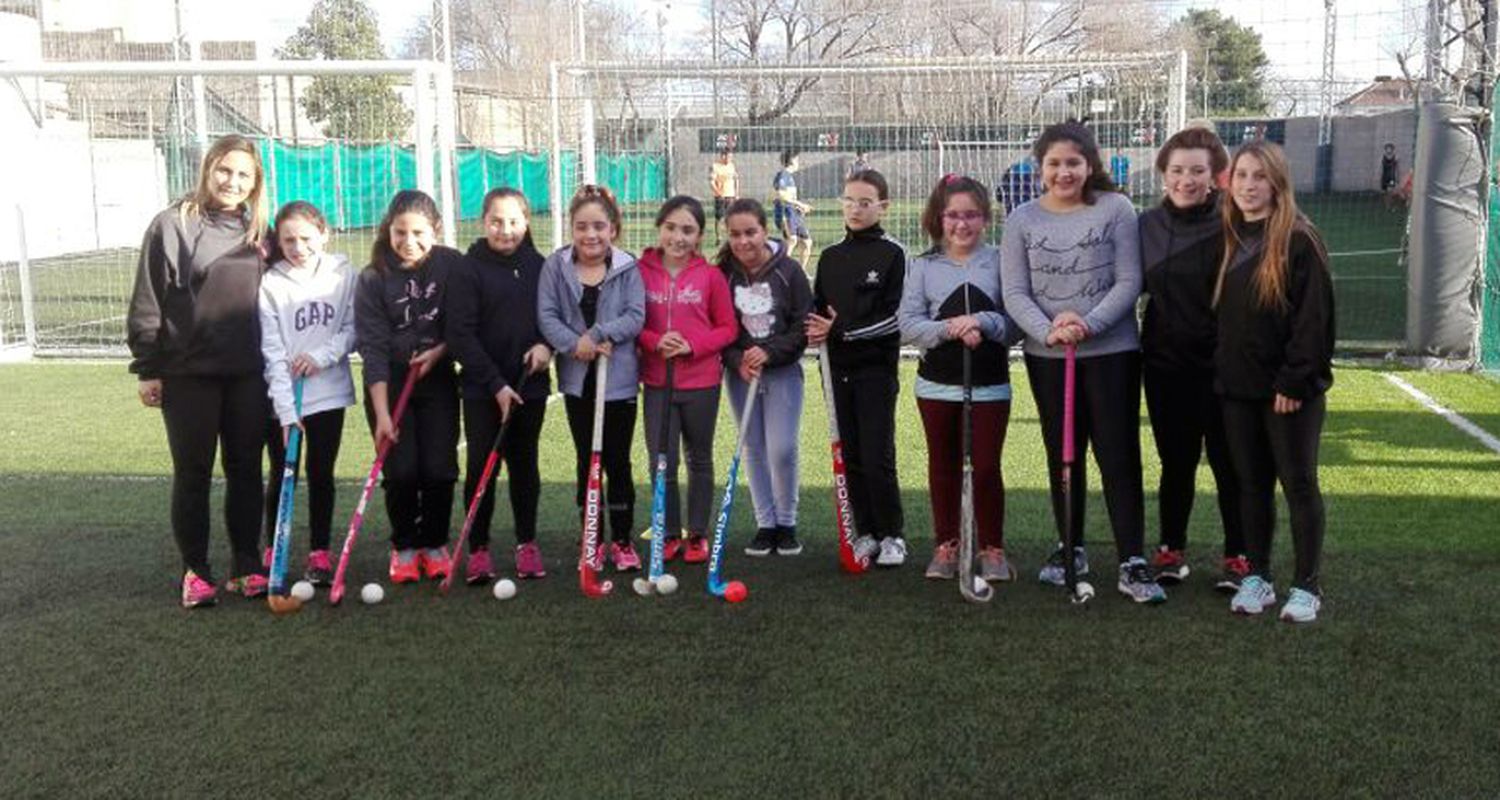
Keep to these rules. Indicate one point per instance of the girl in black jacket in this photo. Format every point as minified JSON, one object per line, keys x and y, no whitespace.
{"x":194,"y":334}
{"x":1274,"y":366}
{"x":1182,"y":242}
{"x":493,"y":333}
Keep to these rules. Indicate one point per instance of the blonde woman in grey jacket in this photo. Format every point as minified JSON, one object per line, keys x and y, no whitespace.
{"x":307,"y":333}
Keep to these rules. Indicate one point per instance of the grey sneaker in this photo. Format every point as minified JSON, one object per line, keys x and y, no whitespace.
{"x":892,"y":552}
{"x":1301,"y":606}
{"x":763,"y":543}
{"x":1138,"y":584}
{"x":944,"y":563}
{"x":1254,"y":595}
{"x":1052,"y":571}
{"x":994,"y":567}
{"x":865,"y":548}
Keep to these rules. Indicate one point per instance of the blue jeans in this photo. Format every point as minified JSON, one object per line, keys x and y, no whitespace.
{"x":771,"y":441}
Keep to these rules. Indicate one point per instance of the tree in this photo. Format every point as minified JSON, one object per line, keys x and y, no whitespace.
{"x":360,"y":107}
{"x":1226,"y":64}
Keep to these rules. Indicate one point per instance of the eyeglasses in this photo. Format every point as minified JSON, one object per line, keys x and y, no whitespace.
{"x":963,"y":216}
{"x":863,"y":203}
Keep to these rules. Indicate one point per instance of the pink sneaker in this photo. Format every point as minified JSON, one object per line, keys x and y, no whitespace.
{"x":251,"y":586}
{"x":623,"y":554}
{"x":435,"y":562}
{"x":529,"y":561}
{"x":672,"y":547}
{"x":405,"y":566}
{"x":265,"y":557}
{"x":319,"y":568}
{"x":197,"y":592}
{"x":479,"y":570}
{"x":696,"y":551}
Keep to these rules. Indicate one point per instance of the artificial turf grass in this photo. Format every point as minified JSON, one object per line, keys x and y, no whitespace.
{"x":885,"y":685}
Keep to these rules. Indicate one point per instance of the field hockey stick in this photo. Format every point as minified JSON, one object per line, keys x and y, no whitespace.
{"x":1078,"y":591}
{"x":589,"y":559}
{"x":975,"y":591}
{"x":336,"y":594}
{"x":490,"y":463}
{"x":843,"y":512}
{"x":716,"y":585}
{"x":277,"y":596}
{"x":648,"y":585}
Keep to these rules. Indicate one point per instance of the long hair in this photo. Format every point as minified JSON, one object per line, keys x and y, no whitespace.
{"x":1270,"y":278}
{"x":744,"y":205}
{"x":520,"y":197}
{"x":254,"y":207}
{"x":1079,"y":135}
{"x":943,"y":191}
{"x":406,"y":201}
{"x":297,"y":208}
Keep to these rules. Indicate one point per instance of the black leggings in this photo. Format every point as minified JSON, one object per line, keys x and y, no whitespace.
{"x":1187,"y":418}
{"x":1267,"y":447}
{"x":422,"y":467}
{"x":201,"y":413}
{"x":1107,"y":414}
{"x":619,"y":429}
{"x":519,"y":457}
{"x":320,"y":449}
{"x":866,"y":407}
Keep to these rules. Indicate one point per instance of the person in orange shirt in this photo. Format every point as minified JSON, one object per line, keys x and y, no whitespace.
{"x":724,"y":181}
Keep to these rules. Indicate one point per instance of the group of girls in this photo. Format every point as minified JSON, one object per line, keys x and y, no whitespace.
{"x":1234,"y":351}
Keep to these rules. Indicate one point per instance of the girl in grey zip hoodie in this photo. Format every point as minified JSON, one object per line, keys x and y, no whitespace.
{"x":585,"y":311}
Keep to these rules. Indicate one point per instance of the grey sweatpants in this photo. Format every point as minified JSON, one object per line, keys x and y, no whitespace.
{"x":694,"y":413}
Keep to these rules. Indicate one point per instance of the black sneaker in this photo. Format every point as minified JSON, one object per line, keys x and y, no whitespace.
{"x":763,"y":543}
{"x":786,"y":541}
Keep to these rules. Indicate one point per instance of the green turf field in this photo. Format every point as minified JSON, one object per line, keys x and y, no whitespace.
{"x":81,"y":299}
{"x":820,"y":685}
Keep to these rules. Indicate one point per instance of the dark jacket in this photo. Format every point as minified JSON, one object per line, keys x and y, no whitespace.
{"x":1180,"y":254}
{"x":491,"y":305}
{"x":195,"y":307}
{"x":1263,"y":352}
{"x":399,"y":313}
{"x":771,"y":308}
{"x":861,"y":278}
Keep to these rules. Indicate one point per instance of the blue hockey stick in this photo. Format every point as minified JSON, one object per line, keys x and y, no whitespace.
{"x":716,"y":584}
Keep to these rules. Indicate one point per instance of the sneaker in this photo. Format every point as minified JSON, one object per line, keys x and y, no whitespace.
{"x":404,"y":566}
{"x":265,"y":557}
{"x":696,"y":550}
{"x":1138,"y":584}
{"x":786,"y":541}
{"x":1301,"y":606}
{"x":944,"y":563}
{"x":1235,"y":570}
{"x":1052,"y":571}
{"x":672,"y":547}
{"x":479,"y":569}
{"x":994,"y":567}
{"x":251,"y":586}
{"x":1254,"y":594}
{"x":529,"y":561}
{"x":1170,"y":565}
{"x":435,"y":562}
{"x":763,"y":543}
{"x":624,"y":557}
{"x":197,"y":592}
{"x":319,"y":570}
{"x":892,"y":552}
{"x":865,"y":548}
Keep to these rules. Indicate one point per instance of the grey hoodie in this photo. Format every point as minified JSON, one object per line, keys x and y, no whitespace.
{"x":621,"y":313}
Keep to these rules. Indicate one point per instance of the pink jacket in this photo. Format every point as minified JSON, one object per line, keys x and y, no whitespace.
{"x":700,"y":309}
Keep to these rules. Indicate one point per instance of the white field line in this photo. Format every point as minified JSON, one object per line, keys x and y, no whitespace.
{"x":1454,"y":418}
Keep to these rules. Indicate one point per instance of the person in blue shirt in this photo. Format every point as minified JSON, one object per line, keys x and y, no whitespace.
{"x":1018,"y":185}
{"x":791,"y":212}
{"x":1119,"y":170}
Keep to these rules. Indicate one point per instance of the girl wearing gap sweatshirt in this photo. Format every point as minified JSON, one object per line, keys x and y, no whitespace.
{"x":590,"y":303}
{"x":195,"y":346}
{"x":689,"y":321}
{"x":306,"y":333}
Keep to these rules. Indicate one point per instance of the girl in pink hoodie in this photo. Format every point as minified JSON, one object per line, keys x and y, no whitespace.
{"x":689,"y":322}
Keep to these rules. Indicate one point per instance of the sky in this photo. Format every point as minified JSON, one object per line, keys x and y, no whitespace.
{"x":1369,"y":31}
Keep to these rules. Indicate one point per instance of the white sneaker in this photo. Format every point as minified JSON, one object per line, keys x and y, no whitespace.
{"x":892,"y":552}
{"x":865,"y":548}
{"x":1253,"y":597}
{"x":1301,"y":606}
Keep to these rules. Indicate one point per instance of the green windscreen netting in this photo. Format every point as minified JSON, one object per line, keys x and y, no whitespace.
{"x":1489,"y":322}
